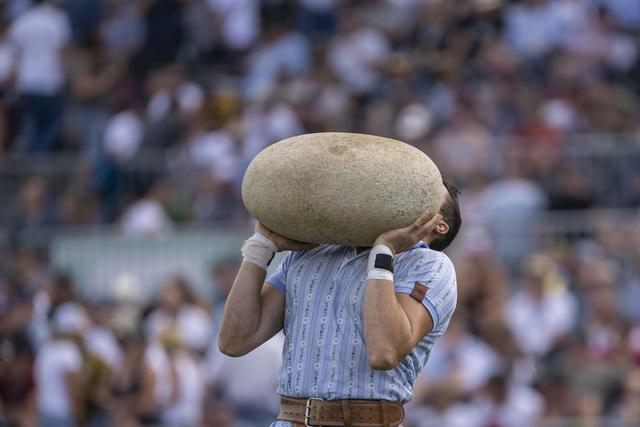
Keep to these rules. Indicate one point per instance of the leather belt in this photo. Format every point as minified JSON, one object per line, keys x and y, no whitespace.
{"x":347,"y":413}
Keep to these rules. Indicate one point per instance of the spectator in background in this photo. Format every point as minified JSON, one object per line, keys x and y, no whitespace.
{"x":178,"y":307}
{"x":122,"y":30}
{"x":318,"y":18}
{"x":128,"y":406}
{"x":506,"y":404}
{"x":40,"y":37}
{"x":94,"y":76}
{"x":358,"y":54}
{"x":238,"y":21}
{"x":266,"y":122}
{"x":123,"y":135}
{"x":545,"y":299}
{"x":35,"y":211}
{"x":461,"y":362}
{"x":625,"y":12}
{"x":486,"y":281}
{"x":100,"y":340}
{"x":59,"y":290}
{"x":17,"y":388}
{"x":147,"y":216}
{"x":223,"y":274}
{"x":213,"y":155}
{"x":509,"y":206}
{"x":629,"y":410}
{"x":284,"y":53}
{"x":441,"y":406}
{"x":16,"y":354}
{"x":7,"y":106}
{"x":164,"y":34}
{"x":173,"y":385}
{"x":104,"y":358}
{"x":85,"y":17}
{"x":531,"y":28}
{"x":59,"y":366}
{"x":254,"y":402}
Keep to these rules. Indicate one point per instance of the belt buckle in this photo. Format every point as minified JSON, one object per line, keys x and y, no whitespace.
{"x":307,"y":411}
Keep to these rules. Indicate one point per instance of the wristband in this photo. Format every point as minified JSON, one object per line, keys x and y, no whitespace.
{"x":259,"y":250}
{"x":380,"y":265}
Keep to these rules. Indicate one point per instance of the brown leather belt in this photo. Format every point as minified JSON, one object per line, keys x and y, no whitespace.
{"x":347,"y":413}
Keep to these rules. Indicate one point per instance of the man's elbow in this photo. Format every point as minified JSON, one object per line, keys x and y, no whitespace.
{"x":383,"y":360}
{"x":231,"y":349}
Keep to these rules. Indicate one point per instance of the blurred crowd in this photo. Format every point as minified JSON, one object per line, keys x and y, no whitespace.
{"x":69,"y":361}
{"x":556,"y":345}
{"x":149,"y":111}
{"x":159,"y":105}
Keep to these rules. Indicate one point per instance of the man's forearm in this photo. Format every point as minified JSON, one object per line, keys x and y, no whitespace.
{"x":388,"y":334}
{"x":242,"y":310}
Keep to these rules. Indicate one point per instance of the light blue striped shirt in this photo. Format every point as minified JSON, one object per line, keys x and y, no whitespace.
{"x":324,"y":352}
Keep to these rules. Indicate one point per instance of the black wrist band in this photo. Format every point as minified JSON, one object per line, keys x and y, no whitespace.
{"x":384,"y":262}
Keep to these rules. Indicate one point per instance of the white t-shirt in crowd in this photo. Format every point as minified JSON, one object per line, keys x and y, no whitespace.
{"x":157,"y":360}
{"x":194,"y":325}
{"x":469,"y":360}
{"x":146,"y":217}
{"x":55,"y":359}
{"x":554,"y":316}
{"x":241,"y":21}
{"x":217,"y":151}
{"x":39,"y":35}
{"x":123,"y":135}
{"x":355,"y":57}
{"x":262,"y":366}
{"x":103,"y":344}
{"x":187,"y":409}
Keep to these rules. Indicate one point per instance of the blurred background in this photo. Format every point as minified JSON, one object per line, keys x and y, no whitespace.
{"x":125,"y":129}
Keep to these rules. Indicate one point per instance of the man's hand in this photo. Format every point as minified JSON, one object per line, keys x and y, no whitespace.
{"x":282,"y":243}
{"x":403,"y":238}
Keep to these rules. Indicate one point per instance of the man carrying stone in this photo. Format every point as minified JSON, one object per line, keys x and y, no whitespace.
{"x":359,"y":323}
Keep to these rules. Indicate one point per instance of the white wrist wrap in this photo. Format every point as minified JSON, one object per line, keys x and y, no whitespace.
{"x":259,"y":250}
{"x":378,"y":273}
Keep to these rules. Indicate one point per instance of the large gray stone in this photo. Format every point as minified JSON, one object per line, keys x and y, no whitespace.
{"x":340,"y":188}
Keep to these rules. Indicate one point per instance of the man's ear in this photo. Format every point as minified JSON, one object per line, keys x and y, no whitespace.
{"x":442,"y":228}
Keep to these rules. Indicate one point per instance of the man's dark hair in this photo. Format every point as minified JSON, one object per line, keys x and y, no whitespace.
{"x":450,"y":212}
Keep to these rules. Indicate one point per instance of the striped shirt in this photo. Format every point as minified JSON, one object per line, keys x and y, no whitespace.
{"x":324,"y":353}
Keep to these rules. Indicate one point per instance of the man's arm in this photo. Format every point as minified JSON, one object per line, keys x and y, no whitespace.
{"x":254,"y":313}
{"x":73,"y":382}
{"x":395,"y":323}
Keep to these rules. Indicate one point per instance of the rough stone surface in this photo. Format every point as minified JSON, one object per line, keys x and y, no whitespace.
{"x":340,"y":188}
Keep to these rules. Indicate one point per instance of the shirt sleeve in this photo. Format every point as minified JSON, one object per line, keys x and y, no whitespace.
{"x":429,"y":277}
{"x":279,"y":277}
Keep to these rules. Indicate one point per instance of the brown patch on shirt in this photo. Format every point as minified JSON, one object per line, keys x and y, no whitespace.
{"x":419,"y":291}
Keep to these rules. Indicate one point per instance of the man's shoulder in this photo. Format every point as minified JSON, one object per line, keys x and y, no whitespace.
{"x":428,"y":263}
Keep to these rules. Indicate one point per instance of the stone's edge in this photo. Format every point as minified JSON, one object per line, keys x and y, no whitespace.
{"x":276,"y":225}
